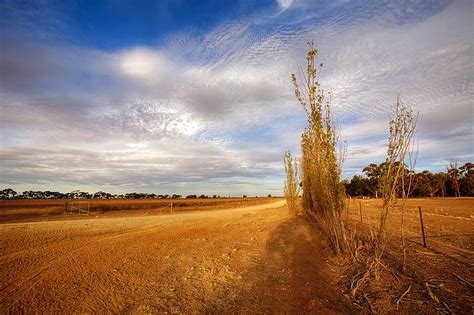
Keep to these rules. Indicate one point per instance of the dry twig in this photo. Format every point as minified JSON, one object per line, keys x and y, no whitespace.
{"x":431,"y":294}
{"x":405,"y":293}
{"x":463,"y":280}
{"x":368,"y":302}
{"x":447,"y":307}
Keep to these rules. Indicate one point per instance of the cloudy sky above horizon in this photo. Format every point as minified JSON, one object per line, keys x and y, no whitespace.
{"x":179,"y":96}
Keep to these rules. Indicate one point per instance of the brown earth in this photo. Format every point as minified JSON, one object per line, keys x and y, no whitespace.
{"x":248,"y":260}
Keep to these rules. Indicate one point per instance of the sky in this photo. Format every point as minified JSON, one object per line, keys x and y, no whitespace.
{"x":178,"y":96}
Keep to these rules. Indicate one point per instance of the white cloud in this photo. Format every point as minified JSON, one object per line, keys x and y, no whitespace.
{"x":284,"y":4}
{"x":143,"y":63}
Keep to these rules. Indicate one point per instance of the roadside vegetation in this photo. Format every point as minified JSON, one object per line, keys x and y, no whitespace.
{"x":363,"y":246}
{"x":323,"y":192}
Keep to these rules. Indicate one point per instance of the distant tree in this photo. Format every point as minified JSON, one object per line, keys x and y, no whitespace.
{"x":430,"y":184}
{"x":191,"y":197}
{"x":269,"y":196}
{"x":203,"y":197}
{"x":244,"y":196}
{"x":358,"y":186}
{"x":73,"y":194}
{"x":102,"y":195}
{"x":25,"y":195}
{"x":176,"y":196}
{"x":85,"y":195}
{"x":133,"y":195}
{"x":374,"y":173}
{"x":57,"y":195}
{"x":30,"y":194}
{"x":467,"y":179}
{"x":454,"y":175}
{"x":442,"y":178}
{"x":8,"y":193}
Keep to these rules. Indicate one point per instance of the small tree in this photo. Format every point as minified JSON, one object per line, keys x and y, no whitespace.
{"x":323,"y":191}
{"x":292,"y":188}
{"x":401,"y":131}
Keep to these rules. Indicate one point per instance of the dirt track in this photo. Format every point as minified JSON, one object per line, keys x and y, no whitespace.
{"x":254,"y":259}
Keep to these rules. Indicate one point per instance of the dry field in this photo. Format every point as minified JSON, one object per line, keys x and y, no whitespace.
{"x":234,"y":256}
{"x":21,"y":210}
{"x":446,"y":266}
{"x":249,"y":260}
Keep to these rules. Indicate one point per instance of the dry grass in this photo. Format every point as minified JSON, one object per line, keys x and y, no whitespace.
{"x":435,"y":271}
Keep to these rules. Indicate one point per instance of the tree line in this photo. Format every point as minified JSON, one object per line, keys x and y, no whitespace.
{"x":457,"y":181}
{"x":9,"y":193}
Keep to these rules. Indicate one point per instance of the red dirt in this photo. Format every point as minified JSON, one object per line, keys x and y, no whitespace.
{"x":251,"y":260}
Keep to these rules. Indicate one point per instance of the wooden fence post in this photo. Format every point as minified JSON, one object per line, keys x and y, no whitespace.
{"x":360,"y":210}
{"x":422,"y":227}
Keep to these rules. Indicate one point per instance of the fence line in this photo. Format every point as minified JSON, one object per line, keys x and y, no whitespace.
{"x":170,"y":205}
{"x":79,"y":207}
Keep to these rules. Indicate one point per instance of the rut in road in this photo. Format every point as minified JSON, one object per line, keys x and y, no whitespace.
{"x":254,"y":259}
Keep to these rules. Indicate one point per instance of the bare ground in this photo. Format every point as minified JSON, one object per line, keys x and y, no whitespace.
{"x":251,"y":260}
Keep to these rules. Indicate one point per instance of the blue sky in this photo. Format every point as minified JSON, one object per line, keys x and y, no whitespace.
{"x":195,"y":96}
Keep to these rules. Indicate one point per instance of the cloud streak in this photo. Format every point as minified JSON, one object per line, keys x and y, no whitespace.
{"x":218,"y":107}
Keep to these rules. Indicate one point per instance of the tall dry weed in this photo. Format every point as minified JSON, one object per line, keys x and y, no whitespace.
{"x":401,"y":133}
{"x":323,"y":192}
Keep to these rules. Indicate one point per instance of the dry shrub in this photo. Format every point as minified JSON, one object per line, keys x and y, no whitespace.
{"x":323,"y":193}
{"x":291,"y":189}
{"x":400,"y":145}
{"x":401,"y":131}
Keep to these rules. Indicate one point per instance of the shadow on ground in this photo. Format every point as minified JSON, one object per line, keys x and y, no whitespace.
{"x":294,"y":276}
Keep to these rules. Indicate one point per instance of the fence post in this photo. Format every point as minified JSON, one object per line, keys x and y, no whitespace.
{"x":422,"y":227}
{"x":171,"y":206}
{"x":360,"y":210}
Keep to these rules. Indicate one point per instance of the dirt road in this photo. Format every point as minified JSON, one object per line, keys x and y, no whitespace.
{"x":254,"y":259}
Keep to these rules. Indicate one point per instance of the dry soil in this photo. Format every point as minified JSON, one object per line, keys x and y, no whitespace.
{"x":249,"y":260}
